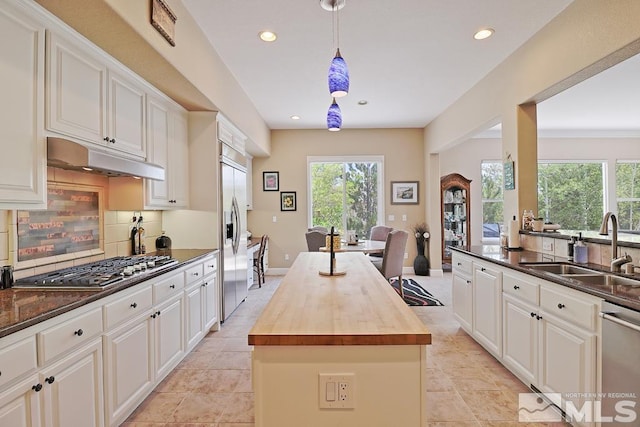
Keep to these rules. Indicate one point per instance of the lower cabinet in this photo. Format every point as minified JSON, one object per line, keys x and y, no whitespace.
{"x":20,"y":405}
{"x":72,"y":389}
{"x":543,"y":332}
{"x":487,"y":307}
{"x":128,"y":367}
{"x":66,"y":393}
{"x":93,"y":366}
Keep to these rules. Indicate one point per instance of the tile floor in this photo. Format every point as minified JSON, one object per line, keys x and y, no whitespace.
{"x":466,"y":387}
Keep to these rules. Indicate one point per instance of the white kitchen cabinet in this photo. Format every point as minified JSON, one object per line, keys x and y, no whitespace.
{"x":462,"y":291}
{"x":23,"y":181}
{"x":91,"y":102}
{"x":72,"y":388}
{"x":168,"y":147}
{"x":201,"y":300}
{"x":230,"y":134}
{"x":128,"y":361}
{"x":487,"y":307}
{"x":520,"y":338}
{"x":168,"y":326}
{"x":20,"y":404}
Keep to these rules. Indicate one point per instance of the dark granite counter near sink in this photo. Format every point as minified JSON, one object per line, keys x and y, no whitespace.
{"x":24,"y":307}
{"x":626,"y":296}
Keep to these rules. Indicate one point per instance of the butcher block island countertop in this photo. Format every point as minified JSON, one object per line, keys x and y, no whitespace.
{"x":318,"y":333}
{"x":359,"y":308}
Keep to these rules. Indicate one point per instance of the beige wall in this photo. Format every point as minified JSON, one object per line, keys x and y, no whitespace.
{"x":403,"y":160}
{"x":586,"y":38}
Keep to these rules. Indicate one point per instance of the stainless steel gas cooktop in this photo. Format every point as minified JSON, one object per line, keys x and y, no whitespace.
{"x":98,"y":274}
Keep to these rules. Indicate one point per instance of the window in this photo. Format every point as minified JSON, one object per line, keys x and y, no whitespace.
{"x":492,"y":199}
{"x":346,"y":192}
{"x":572,"y":194}
{"x":628,"y":195}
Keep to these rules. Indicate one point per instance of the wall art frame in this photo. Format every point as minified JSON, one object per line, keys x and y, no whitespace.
{"x":405,"y":192}
{"x":270,"y":181}
{"x":287,"y":201}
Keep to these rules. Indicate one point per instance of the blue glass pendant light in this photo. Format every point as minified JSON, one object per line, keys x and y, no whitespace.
{"x":334,"y":117}
{"x":338,"y":76}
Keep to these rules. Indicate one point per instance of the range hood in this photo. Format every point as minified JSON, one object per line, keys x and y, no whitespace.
{"x":65,"y":154}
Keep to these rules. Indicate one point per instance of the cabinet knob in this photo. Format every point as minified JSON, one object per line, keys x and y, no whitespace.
{"x":158,"y":312}
{"x":533,"y":314}
{"x":561,"y":306}
{"x":211,"y":266}
{"x":459,"y":263}
{"x":153,"y":316}
{"x":196,"y":274}
{"x":538,"y":317}
{"x":106,"y":138}
{"x":134,"y":305}
{"x":79,"y":332}
{"x":37,"y":387}
{"x":468,"y":282}
{"x":483,"y":269}
{"x":172,"y":286}
{"x":112,"y":140}
{"x":50,"y":380}
{"x":516,"y":287}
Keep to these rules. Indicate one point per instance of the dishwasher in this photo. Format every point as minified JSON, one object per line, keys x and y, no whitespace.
{"x":620,"y":366}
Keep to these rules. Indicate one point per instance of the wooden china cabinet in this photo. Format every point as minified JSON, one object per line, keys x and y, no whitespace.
{"x":455,"y":211}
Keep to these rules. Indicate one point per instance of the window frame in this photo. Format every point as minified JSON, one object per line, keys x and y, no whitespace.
{"x":347,"y":159}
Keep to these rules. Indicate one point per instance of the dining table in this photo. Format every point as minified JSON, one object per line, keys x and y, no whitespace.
{"x":365,"y":246}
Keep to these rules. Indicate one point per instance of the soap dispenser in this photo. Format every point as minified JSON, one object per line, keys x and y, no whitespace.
{"x":580,"y":251}
{"x":570,"y":247}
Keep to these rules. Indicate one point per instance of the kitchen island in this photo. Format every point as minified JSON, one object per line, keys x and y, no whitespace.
{"x":320,"y":336}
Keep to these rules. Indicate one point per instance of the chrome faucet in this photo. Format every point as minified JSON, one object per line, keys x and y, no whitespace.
{"x":616,"y":263}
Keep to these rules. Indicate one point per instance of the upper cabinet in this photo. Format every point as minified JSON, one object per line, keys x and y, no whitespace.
{"x":23,"y":181}
{"x":93,"y":102}
{"x":168,"y":147}
{"x":231,"y":135}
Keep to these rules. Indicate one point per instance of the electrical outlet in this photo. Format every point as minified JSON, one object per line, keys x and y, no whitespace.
{"x":406,"y":255}
{"x":336,"y":391}
{"x":404,"y":217}
{"x":286,"y":257}
{"x":275,"y":219}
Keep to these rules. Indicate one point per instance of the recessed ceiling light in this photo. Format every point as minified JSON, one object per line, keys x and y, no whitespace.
{"x":363,"y":102}
{"x":295,"y":117}
{"x":267,"y":36}
{"x":483,"y":33}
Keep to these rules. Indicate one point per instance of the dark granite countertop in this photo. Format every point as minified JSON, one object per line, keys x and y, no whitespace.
{"x":626,"y":296}
{"x":24,"y":307}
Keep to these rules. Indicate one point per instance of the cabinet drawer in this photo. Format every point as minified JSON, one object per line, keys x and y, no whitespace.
{"x":210,"y":266}
{"x":67,"y":335}
{"x":461,"y":263}
{"x":577,"y":310}
{"x":194,"y":273}
{"x":127,"y":306}
{"x":520,"y":288}
{"x":168,"y":287}
{"x":17,"y":359}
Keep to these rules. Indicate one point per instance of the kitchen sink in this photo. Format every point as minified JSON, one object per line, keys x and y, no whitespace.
{"x":605,"y":280}
{"x":558,"y":268}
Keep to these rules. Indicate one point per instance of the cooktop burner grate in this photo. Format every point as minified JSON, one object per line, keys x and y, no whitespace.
{"x":98,"y":274}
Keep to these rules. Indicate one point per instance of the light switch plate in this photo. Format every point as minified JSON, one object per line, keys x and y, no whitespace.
{"x":336,"y":391}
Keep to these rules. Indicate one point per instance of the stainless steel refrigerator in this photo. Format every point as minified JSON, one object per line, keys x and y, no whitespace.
{"x":235,"y":265}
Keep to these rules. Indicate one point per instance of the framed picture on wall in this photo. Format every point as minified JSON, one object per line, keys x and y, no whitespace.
{"x":287,"y":200}
{"x":404,"y":192}
{"x":270,"y":181}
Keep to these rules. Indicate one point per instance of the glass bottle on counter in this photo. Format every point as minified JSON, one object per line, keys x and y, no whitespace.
{"x":527,"y":219}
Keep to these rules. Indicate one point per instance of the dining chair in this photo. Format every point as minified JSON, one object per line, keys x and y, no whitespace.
{"x":315,"y":240}
{"x":380,"y":233}
{"x":319,"y":228}
{"x":391,"y":264}
{"x":258,"y":259}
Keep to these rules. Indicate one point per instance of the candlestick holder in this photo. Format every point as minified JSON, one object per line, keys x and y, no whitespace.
{"x":331,"y":239}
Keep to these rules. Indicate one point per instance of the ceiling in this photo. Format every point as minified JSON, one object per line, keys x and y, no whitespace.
{"x":409,"y":59}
